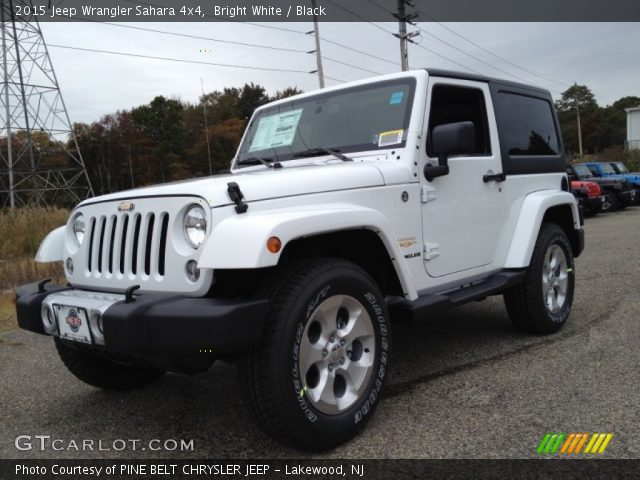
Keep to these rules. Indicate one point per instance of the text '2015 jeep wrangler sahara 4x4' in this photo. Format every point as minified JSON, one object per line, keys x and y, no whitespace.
{"x":398,"y":196}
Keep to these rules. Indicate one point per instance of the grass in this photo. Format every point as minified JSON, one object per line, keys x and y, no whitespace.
{"x":21,"y":232}
{"x":7,"y":312}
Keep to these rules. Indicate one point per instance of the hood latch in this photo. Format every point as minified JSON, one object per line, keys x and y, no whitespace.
{"x":236,"y":196}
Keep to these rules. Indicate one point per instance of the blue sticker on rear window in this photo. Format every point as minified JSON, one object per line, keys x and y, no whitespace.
{"x":396,"y":98}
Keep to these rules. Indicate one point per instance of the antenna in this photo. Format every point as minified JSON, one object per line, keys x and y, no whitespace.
{"x":41,"y":162}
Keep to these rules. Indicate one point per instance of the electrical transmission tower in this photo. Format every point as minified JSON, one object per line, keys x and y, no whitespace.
{"x":41,"y":162}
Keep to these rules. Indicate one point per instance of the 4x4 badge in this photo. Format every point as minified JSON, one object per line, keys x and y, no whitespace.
{"x":125,"y":207}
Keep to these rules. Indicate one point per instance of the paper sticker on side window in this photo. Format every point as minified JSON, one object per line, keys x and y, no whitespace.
{"x":277,"y":130}
{"x":392,"y":137}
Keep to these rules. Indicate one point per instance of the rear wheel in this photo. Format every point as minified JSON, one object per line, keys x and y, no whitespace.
{"x":101,"y":372}
{"x":542,"y":302}
{"x":316,"y":377}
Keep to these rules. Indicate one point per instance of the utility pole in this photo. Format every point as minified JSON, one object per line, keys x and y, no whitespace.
{"x":316,"y":34}
{"x":579,"y":129}
{"x":206,"y":127}
{"x":402,"y":34}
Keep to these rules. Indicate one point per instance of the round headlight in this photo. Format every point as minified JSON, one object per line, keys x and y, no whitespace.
{"x":79,"y":228}
{"x":195,"y":226}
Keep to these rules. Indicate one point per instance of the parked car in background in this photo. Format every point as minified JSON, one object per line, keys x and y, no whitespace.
{"x":621,"y":169}
{"x":605,"y":169}
{"x":590,"y":196}
{"x":619,"y":192}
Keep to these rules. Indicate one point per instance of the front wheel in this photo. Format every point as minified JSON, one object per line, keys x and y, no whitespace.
{"x":542,"y":302}
{"x":316,"y":377}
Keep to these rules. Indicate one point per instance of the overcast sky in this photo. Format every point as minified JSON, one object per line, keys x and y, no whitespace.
{"x":604,"y":56}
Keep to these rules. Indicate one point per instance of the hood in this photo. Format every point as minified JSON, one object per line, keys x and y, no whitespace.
{"x":592,"y":188}
{"x":263,"y":183}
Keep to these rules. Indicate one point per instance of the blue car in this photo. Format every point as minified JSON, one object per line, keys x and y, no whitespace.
{"x":605,"y":169}
{"x":621,"y":169}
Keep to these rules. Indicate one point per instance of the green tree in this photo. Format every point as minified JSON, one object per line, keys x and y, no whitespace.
{"x":161,"y":120}
{"x":577,"y":96}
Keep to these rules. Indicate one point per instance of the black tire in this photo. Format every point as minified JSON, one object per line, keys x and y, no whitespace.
{"x":101,"y":372}
{"x":525,"y":303}
{"x":272,"y":374}
{"x":614,"y":203}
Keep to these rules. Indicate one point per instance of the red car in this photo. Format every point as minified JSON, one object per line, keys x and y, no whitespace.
{"x":590,"y":195}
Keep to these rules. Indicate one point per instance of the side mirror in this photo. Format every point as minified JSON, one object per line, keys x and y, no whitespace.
{"x":450,"y":139}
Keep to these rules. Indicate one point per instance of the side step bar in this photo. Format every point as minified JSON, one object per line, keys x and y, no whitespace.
{"x":433,"y":304}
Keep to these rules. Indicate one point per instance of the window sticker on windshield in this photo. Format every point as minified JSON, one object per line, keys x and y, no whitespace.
{"x":396,"y":98}
{"x":276,"y":130}
{"x":392,"y":137}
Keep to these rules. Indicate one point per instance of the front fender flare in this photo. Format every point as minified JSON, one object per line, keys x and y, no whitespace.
{"x":532,"y":211}
{"x":52,"y":247}
{"x":239,"y":242}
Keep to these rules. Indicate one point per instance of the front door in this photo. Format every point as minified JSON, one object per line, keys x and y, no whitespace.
{"x":462,"y":214}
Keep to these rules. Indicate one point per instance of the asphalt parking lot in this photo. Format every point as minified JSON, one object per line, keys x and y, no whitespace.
{"x":463,"y":385}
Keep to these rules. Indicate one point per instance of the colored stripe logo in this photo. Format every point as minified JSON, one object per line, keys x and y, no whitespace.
{"x":574,"y":443}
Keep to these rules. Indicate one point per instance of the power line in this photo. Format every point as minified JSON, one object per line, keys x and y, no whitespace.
{"x":198,"y":37}
{"x":326,"y":40}
{"x":324,"y":57}
{"x":186,"y":35}
{"x":170,"y":59}
{"x":417,"y":44}
{"x":492,"y":53}
{"x":450,"y":45}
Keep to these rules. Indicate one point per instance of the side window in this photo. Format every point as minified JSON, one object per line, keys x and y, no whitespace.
{"x":527,"y":124}
{"x":451,"y":104}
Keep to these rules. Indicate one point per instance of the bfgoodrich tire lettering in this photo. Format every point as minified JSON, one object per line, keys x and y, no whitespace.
{"x":541,"y":304}
{"x":281,"y":394}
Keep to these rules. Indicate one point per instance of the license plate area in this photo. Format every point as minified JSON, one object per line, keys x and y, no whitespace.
{"x":73,"y":323}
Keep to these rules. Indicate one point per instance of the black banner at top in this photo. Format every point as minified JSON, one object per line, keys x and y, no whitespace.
{"x":324,"y":10}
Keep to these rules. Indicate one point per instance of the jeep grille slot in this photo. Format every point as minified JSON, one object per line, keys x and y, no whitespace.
{"x":127,"y":244}
{"x":149,"y":244}
{"x":163,"y":242}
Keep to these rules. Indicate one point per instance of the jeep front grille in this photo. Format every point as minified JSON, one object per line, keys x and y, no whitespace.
{"x":127,"y":244}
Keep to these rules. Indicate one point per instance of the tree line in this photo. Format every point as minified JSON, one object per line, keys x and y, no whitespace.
{"x":166,"y":140}
{"x":604,"y":129}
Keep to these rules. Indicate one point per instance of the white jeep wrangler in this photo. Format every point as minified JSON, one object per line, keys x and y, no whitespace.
{"x":398,"y":196}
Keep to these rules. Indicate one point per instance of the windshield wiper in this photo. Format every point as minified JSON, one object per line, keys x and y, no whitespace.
{"x":314,"y":152}
{"x":267,"y":162}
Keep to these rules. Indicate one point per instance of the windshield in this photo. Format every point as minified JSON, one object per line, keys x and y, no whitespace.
{"x":366,"y":117}
{"x":606,"y":168}
{"x":582,"y":170}
{"x":621,"y":168}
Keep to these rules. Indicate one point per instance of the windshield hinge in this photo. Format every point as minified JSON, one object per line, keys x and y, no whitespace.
{"x":236,"y":196}
{"x":427,"y":194}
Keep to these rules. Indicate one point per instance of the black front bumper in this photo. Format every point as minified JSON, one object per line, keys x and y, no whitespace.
{"x":163,"y":324}
{"x":594,"y":204}
{"x":627,"y":197}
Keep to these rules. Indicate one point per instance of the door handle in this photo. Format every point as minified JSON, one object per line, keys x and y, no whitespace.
{"x":496,"y":177}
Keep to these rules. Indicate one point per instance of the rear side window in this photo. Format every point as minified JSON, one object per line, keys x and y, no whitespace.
{"x":530,"y":141}
{"x":528,"y":126}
